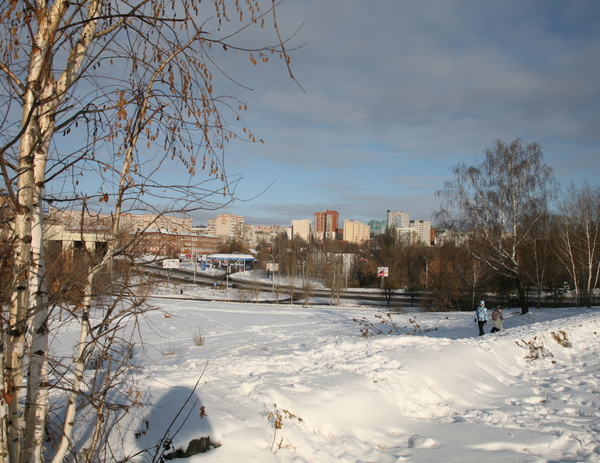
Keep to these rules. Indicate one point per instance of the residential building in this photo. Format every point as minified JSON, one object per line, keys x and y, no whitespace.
{"x":356,"y":232}
{"x":406,"y":236}
{"x":423,"y":230}
{"x":326,"y":225}
{"x":302,"y":228}
{"x":129,"y":222}
{"x":397,"y":219}
{"x":378,"y":226}
{"x":227,"y":226}
{"x":267,"y":232}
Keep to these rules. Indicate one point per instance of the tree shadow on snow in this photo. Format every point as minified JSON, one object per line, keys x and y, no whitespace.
{"x":175,"y":427}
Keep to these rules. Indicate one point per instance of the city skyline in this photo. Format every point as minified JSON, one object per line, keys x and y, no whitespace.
{"x":313,"y":219}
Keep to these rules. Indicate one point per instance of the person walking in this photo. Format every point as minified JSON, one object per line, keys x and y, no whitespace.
{"x":497,"y":318}
{"x":481,"y":316}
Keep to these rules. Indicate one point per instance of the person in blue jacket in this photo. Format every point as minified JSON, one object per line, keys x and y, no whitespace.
{"x":481,"y":316}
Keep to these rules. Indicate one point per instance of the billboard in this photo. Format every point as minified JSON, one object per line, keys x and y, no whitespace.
{"x":382,"y":272}
{"x":272,"y":266}
{"x":171,"y":263}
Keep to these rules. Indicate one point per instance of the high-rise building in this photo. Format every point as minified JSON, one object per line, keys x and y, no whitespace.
{"x":356,"y":232}
{"x":302,"y":228}
{"x":326,"y":225}
{"x":377,"y":226}
{"x":397,"y":219}
{"x":423,"y":230}
{"x":227,"y":226}
{"x":406,"y":236}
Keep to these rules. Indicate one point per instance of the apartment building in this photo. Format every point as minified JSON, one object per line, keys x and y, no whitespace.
{"x":397,"y":219}
{"x":326,"y":225}
{"x":302,"y":228}
{"x":146,"y":221}
{"x":226,"y":226}
{"x":378,"y":227}
{"x":423,"y":230}
{"x":267,"y":232}
{"x":406,"y":236}
{"x":356,"y":232}
{"x":129,"y":222}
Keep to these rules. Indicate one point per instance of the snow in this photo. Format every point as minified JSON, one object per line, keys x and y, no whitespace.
{"x":286,"y":383}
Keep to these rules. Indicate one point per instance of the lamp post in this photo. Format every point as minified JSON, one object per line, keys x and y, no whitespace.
{"x":426,"y":272}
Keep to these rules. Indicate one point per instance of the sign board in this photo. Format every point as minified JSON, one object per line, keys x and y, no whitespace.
{"x":171,"y":263}
{"x":382,"y":272}
{"x":272,"y":266}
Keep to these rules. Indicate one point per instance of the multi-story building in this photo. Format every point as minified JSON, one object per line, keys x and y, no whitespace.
{"x":267,"y":232}
{"x":377,"y":226}
{"x":356,"y":232}
{"x":227,"y":226}
{"x":151,"y":241}
{"x":326,"y":225}
{"x":166,"y":243}
{"x":423,"y":230}
{"x":406,"y":236}
{"x":302,"y":228}
{"x":129,"y":222}
{"x":397,"y":219}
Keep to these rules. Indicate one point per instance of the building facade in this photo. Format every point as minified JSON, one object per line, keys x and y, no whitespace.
{"x":406,"y":236}
{"x":227,"y":226}
{"x":356,"y":232}
{"x":378,"y":227}
{"x":397,"y":219}
{"x":326,"y":225}
{"x":423,"y":230}
{"x":131,"y":222}
{"x":302,"y":228}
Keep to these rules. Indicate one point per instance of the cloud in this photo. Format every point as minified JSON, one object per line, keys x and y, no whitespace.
{"x":396,"y":93}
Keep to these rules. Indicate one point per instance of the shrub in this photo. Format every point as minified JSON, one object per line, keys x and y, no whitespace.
{"x":198,"y":337}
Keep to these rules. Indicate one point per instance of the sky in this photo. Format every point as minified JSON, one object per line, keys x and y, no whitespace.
{"x":433,"y":391}
{"x":391,"y":95}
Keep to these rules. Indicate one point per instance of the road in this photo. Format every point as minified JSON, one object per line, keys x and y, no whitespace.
{"x":366,"y":297}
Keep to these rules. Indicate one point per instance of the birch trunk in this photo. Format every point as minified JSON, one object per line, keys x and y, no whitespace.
{"x":22,"y":266}
{"x":29,"y":296}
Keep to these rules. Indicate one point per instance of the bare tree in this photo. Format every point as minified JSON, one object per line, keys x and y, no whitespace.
{"x":456,"y":280}
{"x":536,"y":257}
{"x":579,"y":239}
{"x":308,"y":274}
{"x":110,"y":77}
{"x":498,"y":202}
{"x":334,"y":274}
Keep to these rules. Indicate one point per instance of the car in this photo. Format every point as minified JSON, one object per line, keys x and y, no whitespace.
{"x":236,"y":286}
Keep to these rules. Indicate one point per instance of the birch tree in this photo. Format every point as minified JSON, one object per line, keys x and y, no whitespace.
{"x":335,"y":276}
{"x":85,"y":85}
{"x":579,"y":239}
{"x":499,"y":202}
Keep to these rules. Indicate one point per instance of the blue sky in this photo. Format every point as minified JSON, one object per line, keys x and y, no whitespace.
{"x":397,"y":92}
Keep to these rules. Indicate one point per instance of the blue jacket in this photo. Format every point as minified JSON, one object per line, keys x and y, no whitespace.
{"x":481,"y":314}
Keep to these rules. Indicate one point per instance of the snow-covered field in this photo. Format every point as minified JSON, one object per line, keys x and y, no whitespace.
{"x":281,"y":383}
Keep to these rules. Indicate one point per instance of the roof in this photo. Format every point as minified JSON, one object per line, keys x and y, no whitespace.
{"x":244,"y":257}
